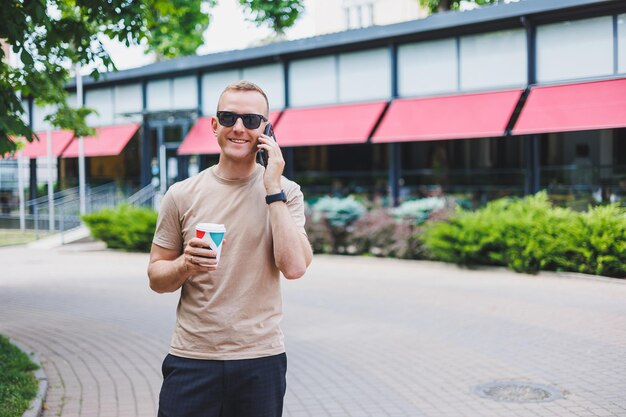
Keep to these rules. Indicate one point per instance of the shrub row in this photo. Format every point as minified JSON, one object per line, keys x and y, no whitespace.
{"x":126,"y":227}
{"x":530,"y":234}
{"x":344,"y":226}
{"x":526,"y":235}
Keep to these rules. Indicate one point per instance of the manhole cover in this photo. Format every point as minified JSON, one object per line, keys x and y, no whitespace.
{"x":518,"y":392}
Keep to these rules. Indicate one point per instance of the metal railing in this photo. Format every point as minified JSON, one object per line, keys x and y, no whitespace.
{"x":66,"y":208}
{"x":146,"y":197}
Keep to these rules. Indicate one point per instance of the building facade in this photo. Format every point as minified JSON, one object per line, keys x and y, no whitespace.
{"x":503,"y":100}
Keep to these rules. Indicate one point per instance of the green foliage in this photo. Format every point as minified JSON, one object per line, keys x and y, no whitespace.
{"x":126,"y":227}
{"x":599,"y":245}
{"x":339,"y":212}
{"x":418,"y":211}
{"x":442,"y":5}
{"x":176,"y":26}
{"x":50,"y":35}
{"x":277,"y":14}
{"x":528,"y":235}
{"x":18,"y":385}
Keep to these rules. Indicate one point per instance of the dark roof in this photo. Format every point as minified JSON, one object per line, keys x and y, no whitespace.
{"x":483,"y":19}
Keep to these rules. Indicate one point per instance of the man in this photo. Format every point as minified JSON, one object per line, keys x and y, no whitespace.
{"x":227,"y":356}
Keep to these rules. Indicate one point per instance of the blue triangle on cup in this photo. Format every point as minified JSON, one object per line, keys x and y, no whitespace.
{"x":217,"y":237}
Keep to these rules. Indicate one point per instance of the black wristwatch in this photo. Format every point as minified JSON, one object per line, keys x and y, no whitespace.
{"x":272,"y":198}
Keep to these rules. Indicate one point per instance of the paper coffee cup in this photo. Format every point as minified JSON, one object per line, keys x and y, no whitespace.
{"x":212,"y":233}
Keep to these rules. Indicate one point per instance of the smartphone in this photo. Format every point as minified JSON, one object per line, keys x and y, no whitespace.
{"x":262,"y":154}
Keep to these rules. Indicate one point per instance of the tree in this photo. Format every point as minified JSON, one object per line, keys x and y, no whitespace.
{"x":442,"y":5}
{"x":49,"y":36}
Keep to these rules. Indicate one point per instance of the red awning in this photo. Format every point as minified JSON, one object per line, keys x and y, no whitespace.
{"x":448,"y":117}
{"x":108,"y":141}
{"x":332,"y":125}
{"x":39,"y":148}
{"x":584,"y":106}
{"x":202,"y":141}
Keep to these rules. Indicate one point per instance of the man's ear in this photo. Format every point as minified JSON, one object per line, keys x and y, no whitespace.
{"x":214,"y":124}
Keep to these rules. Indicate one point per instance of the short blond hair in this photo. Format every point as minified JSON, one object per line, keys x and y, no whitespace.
{"x":244,"y":85}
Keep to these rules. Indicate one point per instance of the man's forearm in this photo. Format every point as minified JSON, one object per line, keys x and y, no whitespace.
{"x":166,"y":275}
{"x":291,"y":250}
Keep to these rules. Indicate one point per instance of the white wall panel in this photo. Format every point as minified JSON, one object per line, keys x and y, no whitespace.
{"x":25,"y":115}
{"x":271,"y":79}
{"x":159,"y":95}
{"x":185,"y":91}
{"x":621,"y":43}
{"x":492,"y":60}
{"x":313,"y":81}
{"x":101,"y":100}
{"x":212,"y":86}
{"x":365,"y":75}
{"x":39,"y":113}
{"x":575,"y":49}
{"x":127,"y":100}
{"x":427,"y":68}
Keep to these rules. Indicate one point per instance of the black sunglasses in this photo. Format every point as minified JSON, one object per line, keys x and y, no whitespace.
{"x":250,"y":121}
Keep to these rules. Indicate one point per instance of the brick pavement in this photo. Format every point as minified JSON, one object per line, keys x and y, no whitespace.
{"x":365,"y":337}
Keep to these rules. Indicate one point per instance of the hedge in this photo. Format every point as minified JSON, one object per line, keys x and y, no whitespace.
{"x":530,"y":234}
{"x":125,"y":227}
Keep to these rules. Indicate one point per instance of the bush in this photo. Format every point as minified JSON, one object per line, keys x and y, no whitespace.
{"x":373,"y":233}
{"x":528,"y":235}
{"x":337,"y":214}
{"x":418,"y":211}
{"x":599,"y":245}
{"x":378,"y":233}
{"x":319,"y":234}
{"x":126,"y":227}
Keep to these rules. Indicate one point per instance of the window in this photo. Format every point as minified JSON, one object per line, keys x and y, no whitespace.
{"x":359,"y":15}
{"x":621,"y":43}
{"x":428,"y":67}
{"x":494,"y":59}
{"x":575,"y":49}
{"x":313,"y":81}
{"x":360,"y":80}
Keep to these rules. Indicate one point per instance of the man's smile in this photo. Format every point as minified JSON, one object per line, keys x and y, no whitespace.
{"x":239,"y":141}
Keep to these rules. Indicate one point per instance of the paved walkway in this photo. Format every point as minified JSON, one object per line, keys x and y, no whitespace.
{"x":365,"y":337}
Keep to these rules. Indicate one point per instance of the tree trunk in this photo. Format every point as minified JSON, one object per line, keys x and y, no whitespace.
{"x":444,"y":5}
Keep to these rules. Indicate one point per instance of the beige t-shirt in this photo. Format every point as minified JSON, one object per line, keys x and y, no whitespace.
{"x":235,"y":311}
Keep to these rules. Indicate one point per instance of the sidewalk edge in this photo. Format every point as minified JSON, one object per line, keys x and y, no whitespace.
{"x":36,"y":406}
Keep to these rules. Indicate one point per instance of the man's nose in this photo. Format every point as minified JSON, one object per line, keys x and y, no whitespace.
{"x":238,"y":126}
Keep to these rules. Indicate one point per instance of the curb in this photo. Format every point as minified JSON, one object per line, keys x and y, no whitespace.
{"x":36,"y":406}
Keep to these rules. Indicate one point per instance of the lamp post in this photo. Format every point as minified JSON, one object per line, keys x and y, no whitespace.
{"x":20,"y":185}
{"x":81,"y":145}
{"x":50,"y":184}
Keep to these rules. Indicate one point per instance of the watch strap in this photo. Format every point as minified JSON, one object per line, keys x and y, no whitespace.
{"x":272,"y":198}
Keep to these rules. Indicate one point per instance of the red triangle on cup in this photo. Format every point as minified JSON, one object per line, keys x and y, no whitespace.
{"x":200,"y":234}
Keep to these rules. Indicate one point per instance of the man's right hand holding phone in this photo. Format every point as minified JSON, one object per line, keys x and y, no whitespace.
{"x":275,"y":164}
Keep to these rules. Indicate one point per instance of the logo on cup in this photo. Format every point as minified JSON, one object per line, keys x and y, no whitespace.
{"x":212,"y":233}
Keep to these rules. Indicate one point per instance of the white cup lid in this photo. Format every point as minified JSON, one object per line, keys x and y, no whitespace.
{"x":211,"y":227}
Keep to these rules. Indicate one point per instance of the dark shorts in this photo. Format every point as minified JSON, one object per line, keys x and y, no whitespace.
{"x":233,"y":388}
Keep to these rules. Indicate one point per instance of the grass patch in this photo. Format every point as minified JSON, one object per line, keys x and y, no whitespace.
{"x":10,"y":237}
{"x":18,"y":385}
